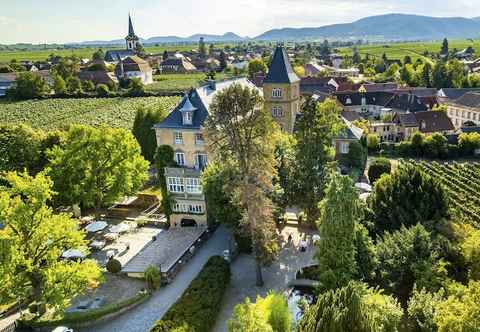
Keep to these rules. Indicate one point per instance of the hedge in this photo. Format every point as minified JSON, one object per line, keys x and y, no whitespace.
{"x":198,"y":307}
{"x":71,"y":318}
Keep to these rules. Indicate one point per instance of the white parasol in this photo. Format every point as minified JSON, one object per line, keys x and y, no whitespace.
{"x":73,"y":253}
{"x":96,"y":226}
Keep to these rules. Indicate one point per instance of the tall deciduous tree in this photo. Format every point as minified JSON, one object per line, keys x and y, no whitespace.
{"x":316,"y":128}
{"x":97,"y":166}
{"x":256,"y":66}
{"x":32,"y":242}
{"x":28,"y":85}
{"x":339,"y":211}
{"x":240,"y":133}
{"x":164,"y":157}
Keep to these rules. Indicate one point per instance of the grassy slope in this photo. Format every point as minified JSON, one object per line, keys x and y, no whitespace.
{"x":85,"y":52}
{"x":415,"y":50}
{"x":51,"y":114}
{"x":179,"y":82}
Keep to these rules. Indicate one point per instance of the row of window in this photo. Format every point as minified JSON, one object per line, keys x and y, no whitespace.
{"x":178,"y":185}
{"x":465,"y":114}
{"x":187,"y":208}
{"x":277,"y":93}
{"x":178,"y":137}
{"x":201,"y":160}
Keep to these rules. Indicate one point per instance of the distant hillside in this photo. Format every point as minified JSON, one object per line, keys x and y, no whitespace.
{"x":227,"y":37}
{"x":385,"y":27}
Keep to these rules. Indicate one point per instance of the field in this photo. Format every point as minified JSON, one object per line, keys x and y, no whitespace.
{"x":415,"y":50}
{"x":462,"y":182}
{"x":83,"y":52}
{"x":51,"y":114}
{"x":178,"y":82}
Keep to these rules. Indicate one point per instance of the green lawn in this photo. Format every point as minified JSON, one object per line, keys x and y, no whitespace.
{"x":23,"y":53}
{"x":83,"y":52}
{"x":179,"y":82}
{"x":51,"y":114}
{"x":414,"y":49}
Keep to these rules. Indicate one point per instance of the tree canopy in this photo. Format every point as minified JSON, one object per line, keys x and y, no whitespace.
{"x":32,"y":242}
{"x":96,"y":166}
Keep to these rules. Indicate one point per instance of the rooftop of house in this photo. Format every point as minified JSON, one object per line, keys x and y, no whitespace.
{"x":452,"y":93}
{"x":133,"y":63}
{"x":469,"y":99}
{"x":117,"y":55}
{"x":198,"y":101}
{"x":433,"y":121}
{"x":350,"y":131}
{"x":280,"y":70}
{"x":178,"y":62}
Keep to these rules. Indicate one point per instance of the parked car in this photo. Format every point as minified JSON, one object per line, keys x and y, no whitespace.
{"x":62,"y":329}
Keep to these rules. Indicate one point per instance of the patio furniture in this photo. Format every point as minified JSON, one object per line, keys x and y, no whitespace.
{"x":73,"y":254}
{"x":96,"y":226}
{"x":111,"y":236}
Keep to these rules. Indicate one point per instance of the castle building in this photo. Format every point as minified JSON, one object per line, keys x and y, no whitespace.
{"x":281,"y":91}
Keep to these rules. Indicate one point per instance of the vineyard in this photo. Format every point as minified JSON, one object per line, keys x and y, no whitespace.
{"x":462,"y":182}
{"x":51,"y":114}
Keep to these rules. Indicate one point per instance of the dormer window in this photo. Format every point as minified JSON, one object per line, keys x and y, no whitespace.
{"x":187,"y":118}
{"x":364,"y":101}
{"x":276,"y":93}
{"x":423,"y":124}
{"x":349,"y":101}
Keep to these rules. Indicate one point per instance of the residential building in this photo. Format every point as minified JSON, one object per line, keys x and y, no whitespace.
{"x":134,"y":67}
{"x":465,"y":109}
{"x":7,"y":80}
{"x":183,"y":130}
{"x":98,"y":77}
{"x":281,"y":91}
{"x":176,"y":66}
{"x":350,"y":133}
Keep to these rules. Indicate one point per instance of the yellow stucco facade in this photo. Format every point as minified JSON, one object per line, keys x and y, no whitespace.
{"x":282,"y":100}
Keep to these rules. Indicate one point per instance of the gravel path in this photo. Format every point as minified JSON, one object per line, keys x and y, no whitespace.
{"x":142,"y":318}
{"x":276,"y":277}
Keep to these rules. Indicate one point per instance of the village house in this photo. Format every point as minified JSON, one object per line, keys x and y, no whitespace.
{"x":350,"y":133}
{"x":176,"y":65}
{"x":182,"y":130}
{"x":464,"y":109}
{"x":134,"y":67}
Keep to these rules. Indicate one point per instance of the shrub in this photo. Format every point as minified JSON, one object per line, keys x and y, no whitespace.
{"x":356,"y":155}
{"x":153,"y":277}
{"x":378,"y":167}
{"x":197,"y":308}
{"x":103,"y":90}
{"x":373,"y":142}
{"x":114,"y":266}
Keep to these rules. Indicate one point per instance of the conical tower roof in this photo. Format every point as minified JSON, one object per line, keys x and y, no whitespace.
{"x":131,"y":32}
{"x":280,"y":70}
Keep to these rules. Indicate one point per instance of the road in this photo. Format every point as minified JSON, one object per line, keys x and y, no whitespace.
{"x":142,"y":318}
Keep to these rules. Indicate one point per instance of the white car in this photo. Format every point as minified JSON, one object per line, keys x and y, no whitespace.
{"x":62,"y":329}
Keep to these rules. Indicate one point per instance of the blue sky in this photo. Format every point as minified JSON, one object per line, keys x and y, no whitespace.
{"x":47,"y":21}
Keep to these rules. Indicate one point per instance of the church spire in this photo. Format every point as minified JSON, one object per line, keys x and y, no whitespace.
{"x":131,"y":32}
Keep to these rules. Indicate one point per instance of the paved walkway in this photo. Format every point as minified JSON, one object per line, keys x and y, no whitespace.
{"x":276,"y":277}
{"x":142,"y":318}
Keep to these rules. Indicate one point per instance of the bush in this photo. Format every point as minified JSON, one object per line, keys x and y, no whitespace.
{"x":103,"y":90}
{"x":356,"y":155}
{"x":70,"y":318}
{"x":153,"y":277}
{"x":378,"y":167}
{"x":114,"y":266}
{"x":198,"y":307}
{"x":373,"y":142}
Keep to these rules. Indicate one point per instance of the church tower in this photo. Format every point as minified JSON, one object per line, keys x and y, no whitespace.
{"x":132,"y":39}
{"x":281,"y":90}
